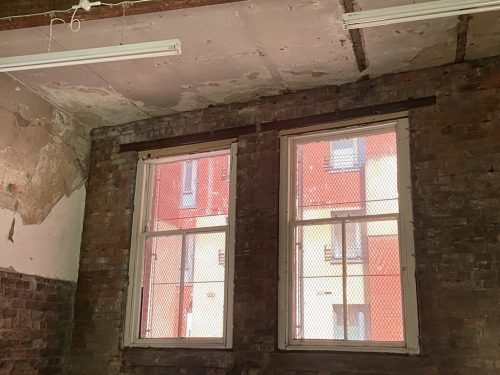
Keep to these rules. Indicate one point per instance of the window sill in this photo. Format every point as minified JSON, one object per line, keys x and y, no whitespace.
{"x":354,"y":347}
{"x":178,"y":344}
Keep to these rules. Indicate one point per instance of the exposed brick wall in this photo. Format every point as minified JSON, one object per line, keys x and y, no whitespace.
{"x":455,"y":150}
{"x":36,"y":319}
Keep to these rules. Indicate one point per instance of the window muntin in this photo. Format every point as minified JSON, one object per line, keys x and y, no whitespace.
{"x":342,"y":246}
{"x":182,"y":296}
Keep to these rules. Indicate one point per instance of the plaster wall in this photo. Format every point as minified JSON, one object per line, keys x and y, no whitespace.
{"x":43,"y":166}
{"x":49,"y":249}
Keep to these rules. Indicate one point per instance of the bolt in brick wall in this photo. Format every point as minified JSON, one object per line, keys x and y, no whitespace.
{"x":455,"y":157}
{"x":36,"y":319}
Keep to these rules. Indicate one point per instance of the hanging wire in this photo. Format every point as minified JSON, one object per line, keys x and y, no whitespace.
{"x":52,"y":12}
{"x":50,"y":30}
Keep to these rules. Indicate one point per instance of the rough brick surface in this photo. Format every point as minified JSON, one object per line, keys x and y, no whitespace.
{"x":455,"y":151}
{"x":36,"y":318}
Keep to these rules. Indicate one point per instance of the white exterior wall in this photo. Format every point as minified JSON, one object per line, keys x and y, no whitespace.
{"x":381,"y":183}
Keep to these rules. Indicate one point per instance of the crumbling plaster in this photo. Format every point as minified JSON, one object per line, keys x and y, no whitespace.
{"x":43,"y":164}
{"x":235,"y":52}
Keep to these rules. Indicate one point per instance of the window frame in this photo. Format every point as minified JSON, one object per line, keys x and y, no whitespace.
{"x":146,"y":160}
{"x":406,"y":241}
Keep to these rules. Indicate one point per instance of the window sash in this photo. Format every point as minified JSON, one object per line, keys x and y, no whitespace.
{"x":185,"y":274}
{"x":141,"y":232}
{"x":288,"y":223}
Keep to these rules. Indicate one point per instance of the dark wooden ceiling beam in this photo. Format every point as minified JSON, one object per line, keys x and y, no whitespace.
{"x":356,"y":36}
{"x":462,"y":30}
{"x":21,"y":11}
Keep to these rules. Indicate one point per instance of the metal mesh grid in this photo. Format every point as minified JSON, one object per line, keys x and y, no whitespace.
{"x":346,"y":265}
{"x":191,"y":193}
{"x":183,"y":289}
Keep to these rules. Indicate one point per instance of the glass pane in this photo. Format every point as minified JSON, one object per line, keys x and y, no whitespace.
{"x":317,"y":283}
{"x":374,"y":299}
{"x":205,"y":310}
{"x":204,"y":289}
{"x":202,"y":293}
{"x":355,"y":174}
{"x":161,"y":288}
{"x":190,"y":192}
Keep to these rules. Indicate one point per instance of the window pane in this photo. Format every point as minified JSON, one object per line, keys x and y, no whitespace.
{"x":205,"y":294}
{"x":355,"y":173}
{"x":202,"y":291}
{"x":317,"y":284}
{"x":161,"y":288}
{"x":190,"y":193}
{"x":374,"y":286}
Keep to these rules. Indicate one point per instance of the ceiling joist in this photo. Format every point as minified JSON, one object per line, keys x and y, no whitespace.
{"x":18,"y":15}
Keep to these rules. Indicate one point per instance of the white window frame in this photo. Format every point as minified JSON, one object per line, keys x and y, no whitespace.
{"x":146,"y":161}
{"x":406,"y":241}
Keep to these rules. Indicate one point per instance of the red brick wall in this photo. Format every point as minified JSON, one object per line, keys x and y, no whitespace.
{"x":36,"y":319}
{"x":455,"y":151}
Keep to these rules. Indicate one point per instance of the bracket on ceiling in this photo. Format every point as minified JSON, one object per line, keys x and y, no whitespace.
{"x":86,"y":5}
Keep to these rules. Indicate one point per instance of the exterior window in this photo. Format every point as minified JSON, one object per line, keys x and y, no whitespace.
{"x":347,"y":267}
{"x":358,"y":320}
{"x":354,"y":235}
{"x":179,"y":295}
{"x":189,"y":183}
{"x":346,"y":155}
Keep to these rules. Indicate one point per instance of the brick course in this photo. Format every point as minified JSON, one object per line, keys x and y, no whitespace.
{"x":36,"y":319}
{"x":455,"y":154}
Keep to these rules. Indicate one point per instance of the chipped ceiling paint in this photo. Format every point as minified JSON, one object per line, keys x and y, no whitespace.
{"x":232,"y":53}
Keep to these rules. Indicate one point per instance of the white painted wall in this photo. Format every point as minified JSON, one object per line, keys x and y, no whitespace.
{"x":50,"y":249}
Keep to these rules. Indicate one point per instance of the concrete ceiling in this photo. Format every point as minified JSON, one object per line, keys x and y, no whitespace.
{"x":237,"y":52}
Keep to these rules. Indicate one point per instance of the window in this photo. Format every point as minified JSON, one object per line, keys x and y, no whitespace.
{"x":346,"y":244}
{"x":355,"y":235}
{"x":180,"y":295}
{"x":346,"y":155}
{"x":189,"y":183}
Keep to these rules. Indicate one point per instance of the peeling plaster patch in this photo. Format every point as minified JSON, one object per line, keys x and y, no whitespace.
{"x":44,"y":157}
{"x":483,"y":36}
{"x":93,"y":106}
{"x":312,"y":73}
{"x":44,"y":167}
{"x":425,"y":54}
{"x":253,"y":75}
{"x":93,"y":90}
{"x":229,"y":91}
{"x":50,"y":249}
{"x":409,"y":46}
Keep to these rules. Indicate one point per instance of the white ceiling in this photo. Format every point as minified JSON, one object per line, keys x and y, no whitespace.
{"x":233,"y":53}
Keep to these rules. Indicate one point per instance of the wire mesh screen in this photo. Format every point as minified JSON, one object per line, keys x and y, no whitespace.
{"x":346,"y":263}
{"x":353,"y":173}
{"x":183,"y":287}
{"x":190,"y":193}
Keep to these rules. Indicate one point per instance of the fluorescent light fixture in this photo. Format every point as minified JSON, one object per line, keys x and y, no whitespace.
{"x":416,"y":12}
{"x":91,"y":55}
